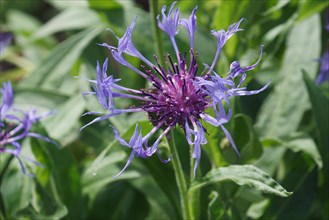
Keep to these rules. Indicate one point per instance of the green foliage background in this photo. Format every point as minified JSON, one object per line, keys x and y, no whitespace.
{"x":282,"y":134}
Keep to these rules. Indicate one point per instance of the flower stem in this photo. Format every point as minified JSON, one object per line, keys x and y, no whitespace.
{"x":192,"y":196}
{"x":180,"y":178}
{"x":191,"y":165}
{"x":156,"y":31}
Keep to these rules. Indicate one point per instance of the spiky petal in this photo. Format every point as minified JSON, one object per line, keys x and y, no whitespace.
{"x":190,"y":26}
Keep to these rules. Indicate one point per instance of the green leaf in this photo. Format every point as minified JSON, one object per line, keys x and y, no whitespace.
{"x":19,"y":22}
{"x":38,"y":197}
{"x":246,"y":138}
{"x":289,"y":99}
{"x":59,"y":181}
{"x":278,"y":6}
{"x":160,"y":206}
{"x":243,"y":175}
{"x":104,"y":5}
{"x":119,"y":200}
{"x":70,"y":113}
{"x":96,"y":175}
{"x":163,"y":177}
{"x":45,"y":203}
{"x":52,"y":70}
{"x":215,"y":206}
{"x":301,"y":142}
{"x":36,"y":98}
{"x":16,"y":188}
{"x":273,"y":152}
{"x":23,"y":26}
{"x":308,"y":8}
{"x":68,"y":4}
{"x":70,"y":19}
{"x":320,"y":109}
{"x":302,"y":179}
{"x":94,"y":179}
{"x":256,"y":210}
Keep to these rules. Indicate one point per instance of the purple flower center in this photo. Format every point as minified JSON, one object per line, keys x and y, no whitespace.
{"x":175,"y":98}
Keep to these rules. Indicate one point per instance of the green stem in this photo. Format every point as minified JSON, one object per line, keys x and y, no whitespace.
{"x":191,"y":165}
{"x":180,"y":178}
{"x":193,"y":196}
{"x":156,"y":31}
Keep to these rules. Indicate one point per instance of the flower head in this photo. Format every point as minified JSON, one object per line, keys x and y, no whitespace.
{"x":15,"y":125}
{"x":178,"y":95}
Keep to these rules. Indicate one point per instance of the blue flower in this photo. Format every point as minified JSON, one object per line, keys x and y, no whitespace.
{"x":178,"y":95}
{"x":15,"y":125}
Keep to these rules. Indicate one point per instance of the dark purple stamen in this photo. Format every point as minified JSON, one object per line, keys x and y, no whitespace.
{"x":178,"y":98}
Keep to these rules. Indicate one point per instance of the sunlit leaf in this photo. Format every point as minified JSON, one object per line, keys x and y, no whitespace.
{"x":68,"y":4}
{"x":320,"y":110}
{"x":68,"y":112}
{"x":308,"y":8}
{"x":70,"y":19}
{"x":51,"y":71}
{"x":16,"y":189}
{"x":303,"y":143}
{"x":243,"y":175}
{"x":283,"y":109}
{"x":40,"y":99}
{"x":104,"y":5}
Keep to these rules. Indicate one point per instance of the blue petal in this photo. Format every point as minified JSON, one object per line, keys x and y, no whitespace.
{"x":190,"y":26}
{"x":169,"y":24}
{"x":130,"y":159}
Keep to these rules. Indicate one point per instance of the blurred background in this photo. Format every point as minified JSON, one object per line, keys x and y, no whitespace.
{"x":282,"y":131}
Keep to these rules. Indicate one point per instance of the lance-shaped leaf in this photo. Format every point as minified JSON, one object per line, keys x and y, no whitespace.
{"x":243,"y":175}
{"x":320,"y":108}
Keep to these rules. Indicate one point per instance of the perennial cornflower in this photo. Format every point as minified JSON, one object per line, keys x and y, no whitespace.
{"x":179,"y":95}
{"x":15,"y":125}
